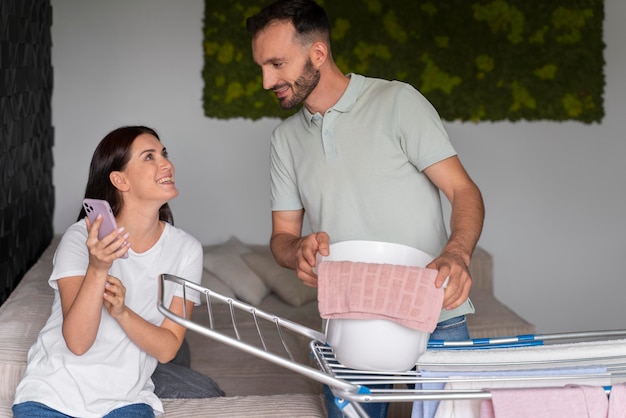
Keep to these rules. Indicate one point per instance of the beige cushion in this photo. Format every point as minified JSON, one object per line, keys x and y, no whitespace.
{"x":304,"y":405}
{"x":232,"y":246}
{"x":212,"y":282}
{"x":307,"y":405}
{"x":224,"y":262}
{"x":235,"y":273}
{"x":481,"y":270}
{"x":493,"y":318}
{"x":22,"y":315}
{"x":283,"y":281}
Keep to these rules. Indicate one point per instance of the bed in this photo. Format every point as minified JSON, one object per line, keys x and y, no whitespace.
{"x":254,"y":387}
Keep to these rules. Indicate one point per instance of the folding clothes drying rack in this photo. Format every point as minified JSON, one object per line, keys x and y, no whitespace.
{"x":355,"y":387}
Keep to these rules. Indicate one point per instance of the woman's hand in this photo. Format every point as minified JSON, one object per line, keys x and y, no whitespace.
{"x":114,"y":296}
{"x":103,"y":252}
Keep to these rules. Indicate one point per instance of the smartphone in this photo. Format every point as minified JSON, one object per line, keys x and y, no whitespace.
{"x":95,"y":207}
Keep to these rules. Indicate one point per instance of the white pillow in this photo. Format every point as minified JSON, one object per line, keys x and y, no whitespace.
{"x":235,"y":273}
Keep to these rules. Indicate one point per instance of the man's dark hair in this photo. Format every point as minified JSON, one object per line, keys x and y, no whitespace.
{"x":306,"y":16}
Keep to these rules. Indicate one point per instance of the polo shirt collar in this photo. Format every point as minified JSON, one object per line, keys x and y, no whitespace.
{"x":345,"y":102}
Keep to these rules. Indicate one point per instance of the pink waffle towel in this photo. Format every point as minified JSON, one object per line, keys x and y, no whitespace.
{"x":403,"y":294}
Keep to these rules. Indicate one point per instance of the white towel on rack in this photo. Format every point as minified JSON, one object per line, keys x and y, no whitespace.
{"x":567,"y":355}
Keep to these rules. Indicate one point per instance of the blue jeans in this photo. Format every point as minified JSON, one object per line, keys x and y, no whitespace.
{"x":39,"y":410}
{"x":454,"y":329}
{"x":177,"y":379}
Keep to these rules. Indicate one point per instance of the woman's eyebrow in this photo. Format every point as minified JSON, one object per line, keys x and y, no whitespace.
{"x":147,"y":151}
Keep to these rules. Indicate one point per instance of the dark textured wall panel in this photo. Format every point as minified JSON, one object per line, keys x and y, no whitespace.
{"x":26,"y":137}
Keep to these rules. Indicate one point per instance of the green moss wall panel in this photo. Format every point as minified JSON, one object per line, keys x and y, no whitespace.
{"x":475,"y":60}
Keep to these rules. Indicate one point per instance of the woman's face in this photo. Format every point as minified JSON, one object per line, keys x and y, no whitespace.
{"x":149,"y":172}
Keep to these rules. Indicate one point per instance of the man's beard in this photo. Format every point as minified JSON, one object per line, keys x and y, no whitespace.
{"x":303,"y":86}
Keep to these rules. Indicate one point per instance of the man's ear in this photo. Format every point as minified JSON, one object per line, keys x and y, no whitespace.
{"x":118,"y":179}
{"x":318,"y":53}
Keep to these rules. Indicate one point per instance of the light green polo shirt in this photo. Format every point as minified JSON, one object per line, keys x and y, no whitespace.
{"x":357,"y":171}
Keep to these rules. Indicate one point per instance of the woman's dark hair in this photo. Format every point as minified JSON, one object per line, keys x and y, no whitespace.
{"x":112,"y":154}
{"x":306,"y":15}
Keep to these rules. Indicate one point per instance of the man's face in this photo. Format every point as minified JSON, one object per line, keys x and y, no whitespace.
{"x":286,"y":66}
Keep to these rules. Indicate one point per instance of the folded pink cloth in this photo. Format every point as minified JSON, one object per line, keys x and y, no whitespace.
{"x":486,"y":409}
{"x":617,"y":401}
{"x":571,"y":401}
{"x":403,"y":294}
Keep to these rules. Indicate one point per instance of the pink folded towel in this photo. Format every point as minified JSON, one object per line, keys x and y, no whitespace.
{"x":617,"y":401}
{"x":403,"y":294}
{"x":572,"y":401}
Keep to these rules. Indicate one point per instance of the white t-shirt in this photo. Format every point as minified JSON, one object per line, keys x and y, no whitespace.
{"x":114,"y":372}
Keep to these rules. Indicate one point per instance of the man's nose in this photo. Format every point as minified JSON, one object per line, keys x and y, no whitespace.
{"x":269,"y":80}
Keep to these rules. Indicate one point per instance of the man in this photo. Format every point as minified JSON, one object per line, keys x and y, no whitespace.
{"x":364,"y":159}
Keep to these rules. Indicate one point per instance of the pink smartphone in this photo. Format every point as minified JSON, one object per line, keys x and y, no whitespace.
{"x":94,"y":207}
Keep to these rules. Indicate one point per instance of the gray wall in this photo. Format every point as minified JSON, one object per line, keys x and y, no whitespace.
{"x":554,"y":192}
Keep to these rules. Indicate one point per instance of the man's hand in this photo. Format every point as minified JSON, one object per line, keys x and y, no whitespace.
{"x":306,"y":255}
{"x":294,"y":251}
{"x":453,"y":266}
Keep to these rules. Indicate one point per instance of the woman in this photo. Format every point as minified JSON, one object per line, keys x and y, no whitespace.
{"x":105,"y":336}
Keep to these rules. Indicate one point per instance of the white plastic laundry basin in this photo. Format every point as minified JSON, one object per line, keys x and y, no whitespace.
{"x":378,"y":344}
